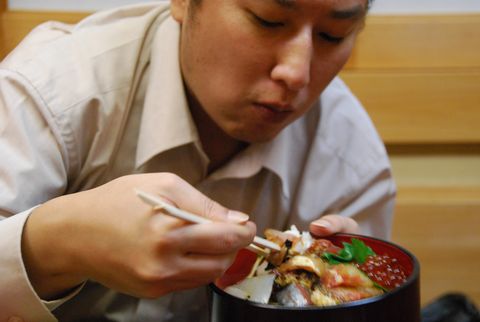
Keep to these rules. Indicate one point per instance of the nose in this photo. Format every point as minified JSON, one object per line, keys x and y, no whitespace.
{"x":294,"y":60}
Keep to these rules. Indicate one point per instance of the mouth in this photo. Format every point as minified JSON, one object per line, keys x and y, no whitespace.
{"x":275,"y":107}
{"x":273,"y":113}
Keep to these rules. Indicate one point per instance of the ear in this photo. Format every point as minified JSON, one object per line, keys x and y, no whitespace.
{"x":178,"y":9}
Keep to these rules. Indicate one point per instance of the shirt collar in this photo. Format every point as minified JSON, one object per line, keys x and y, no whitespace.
{"x":283,"y":156}
{"x":164,"y":128}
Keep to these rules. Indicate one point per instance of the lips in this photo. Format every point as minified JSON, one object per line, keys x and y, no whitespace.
{"x":268,"y":112}
{"x":275,"y":107}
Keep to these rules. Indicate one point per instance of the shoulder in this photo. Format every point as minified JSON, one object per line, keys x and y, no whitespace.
{"x":69,"y":64}
{"x":80,"y":78}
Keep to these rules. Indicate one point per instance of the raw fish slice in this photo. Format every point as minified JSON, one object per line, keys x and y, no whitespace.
{"x":294,"y":295}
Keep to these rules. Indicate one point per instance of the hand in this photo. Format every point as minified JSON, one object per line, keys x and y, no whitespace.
{"x":331,"y":224}
{"x":109,"y":235}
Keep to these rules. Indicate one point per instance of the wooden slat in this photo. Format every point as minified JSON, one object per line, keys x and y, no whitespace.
{"x":445,"y":238}
{"x":437,"y":197}
{"x":413,"y":41}
{"x":450,"y":172}
{"x":17,"y":24}
{"x":421,"y":106}
{"x":3,"y":8}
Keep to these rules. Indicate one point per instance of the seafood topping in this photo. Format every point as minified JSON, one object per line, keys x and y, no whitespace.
{"x":294,"y":294}
{"x":308,"y":271}
{"x":384,"y":270}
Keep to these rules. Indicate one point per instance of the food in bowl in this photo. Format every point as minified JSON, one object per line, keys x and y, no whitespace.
{"x":316,"y":272}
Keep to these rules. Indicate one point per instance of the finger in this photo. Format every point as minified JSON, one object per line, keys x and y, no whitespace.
{"x":212,"y":238}
{"x":208,"y":267}
{"x":186,"y":197}
{"x":197,"y":270}
{"x":331,"y":224}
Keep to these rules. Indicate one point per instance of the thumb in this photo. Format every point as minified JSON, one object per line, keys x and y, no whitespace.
{"x":331,"y":224}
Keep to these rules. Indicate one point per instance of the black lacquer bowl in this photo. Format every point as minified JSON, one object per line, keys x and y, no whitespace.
{"x":401,"y":304}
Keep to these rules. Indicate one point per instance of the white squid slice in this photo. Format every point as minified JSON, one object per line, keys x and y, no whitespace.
{"x":256,"y":289}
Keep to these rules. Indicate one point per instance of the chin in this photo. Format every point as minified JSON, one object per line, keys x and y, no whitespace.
{"x":257,"y":134}
{"x":255,"y":137}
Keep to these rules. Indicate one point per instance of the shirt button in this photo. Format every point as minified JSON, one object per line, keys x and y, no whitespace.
{"x":15,"y":319}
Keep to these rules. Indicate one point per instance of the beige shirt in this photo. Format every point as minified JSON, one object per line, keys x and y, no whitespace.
{"x":81,"y":105}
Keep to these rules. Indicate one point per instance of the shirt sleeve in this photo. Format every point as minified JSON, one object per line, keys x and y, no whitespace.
{"x":373,"y":205}
{"x":52,"y":305}
{"x":32,"y":170}
{"x":17,"y":297}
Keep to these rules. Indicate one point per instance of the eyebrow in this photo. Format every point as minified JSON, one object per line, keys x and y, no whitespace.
{"x":350,"y":13}
{"x":344,"y":14}
{"x":286,"y":3}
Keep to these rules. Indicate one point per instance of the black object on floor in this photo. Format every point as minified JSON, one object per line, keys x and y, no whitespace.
{"x":451,"y":307}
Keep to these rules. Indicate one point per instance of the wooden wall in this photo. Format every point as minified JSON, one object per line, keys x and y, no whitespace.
{"x":14,"y":25}
{"x":3,"y":8}
{"x":419,"y":78}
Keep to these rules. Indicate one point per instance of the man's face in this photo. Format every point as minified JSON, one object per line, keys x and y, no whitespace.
{"x":255,"y":66}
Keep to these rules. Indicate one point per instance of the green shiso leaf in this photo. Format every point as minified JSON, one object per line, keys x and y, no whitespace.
{"x":375,"y":284}
{"x":356,"y":251}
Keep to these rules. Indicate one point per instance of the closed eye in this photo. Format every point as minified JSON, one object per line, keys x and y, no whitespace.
{"x":330,"y":38}
{"x":267,"y":23}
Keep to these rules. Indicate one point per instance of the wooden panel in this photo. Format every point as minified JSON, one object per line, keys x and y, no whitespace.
{"x":17,"y":24}
{"x":418,"y":42}
{"x":445,"y":238}
{"x":438,"y":170}
{"x":421,"y":107}
{"x":3,"y":8}
{"x":410,"y":196}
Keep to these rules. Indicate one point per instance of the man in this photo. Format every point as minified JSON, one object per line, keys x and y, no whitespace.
{"x":206,"y":100}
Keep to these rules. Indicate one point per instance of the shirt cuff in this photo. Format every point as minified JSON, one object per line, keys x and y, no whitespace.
{"x":17,"y":296}
{"x":52,"y":305}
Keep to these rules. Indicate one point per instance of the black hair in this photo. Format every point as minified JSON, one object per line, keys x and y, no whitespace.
{"x":197,"y":2}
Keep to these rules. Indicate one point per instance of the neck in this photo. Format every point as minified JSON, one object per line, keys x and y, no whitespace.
{"x":218,"y":146}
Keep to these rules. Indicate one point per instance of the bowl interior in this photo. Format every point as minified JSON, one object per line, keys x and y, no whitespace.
{"x":245,"y":259}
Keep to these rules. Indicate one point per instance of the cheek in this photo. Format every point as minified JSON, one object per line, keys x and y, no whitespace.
{"x":324,"y":69}
{"x":344,"y":52}
{"x":235,"y":73}
{"x":227,"y":57}
{"x":241,"y":54}
{"x":328,"y":66}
